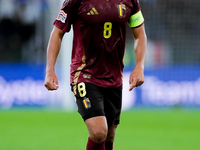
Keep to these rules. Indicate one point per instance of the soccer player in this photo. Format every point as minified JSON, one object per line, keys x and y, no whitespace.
{"x":99,"y":28}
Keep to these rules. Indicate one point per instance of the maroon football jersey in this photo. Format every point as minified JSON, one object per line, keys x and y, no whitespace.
{"x":99,"y":28}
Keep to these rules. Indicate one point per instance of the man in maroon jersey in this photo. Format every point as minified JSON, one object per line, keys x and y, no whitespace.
{"x":99,"y":28}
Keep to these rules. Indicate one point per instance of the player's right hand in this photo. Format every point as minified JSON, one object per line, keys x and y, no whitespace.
{"x":51,"y":81}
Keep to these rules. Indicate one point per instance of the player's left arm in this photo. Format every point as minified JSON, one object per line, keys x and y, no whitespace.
{"x":137,"y":76}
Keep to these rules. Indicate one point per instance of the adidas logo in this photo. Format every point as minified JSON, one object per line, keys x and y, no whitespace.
{"x":93,"y":12}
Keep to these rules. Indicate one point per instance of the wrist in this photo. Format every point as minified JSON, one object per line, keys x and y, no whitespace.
{"x":50,"y":69}
{"x":139,"y":67}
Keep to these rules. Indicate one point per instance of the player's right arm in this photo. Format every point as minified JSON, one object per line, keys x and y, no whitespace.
{"x":51,"y":80}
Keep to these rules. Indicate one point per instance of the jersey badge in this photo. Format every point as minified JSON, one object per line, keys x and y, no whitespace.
{"x":86,"y":76}
{"x":122,"y":10}
{"x":86,"y":103}
{"x":62,"y":16}
{"x":93,"y":11}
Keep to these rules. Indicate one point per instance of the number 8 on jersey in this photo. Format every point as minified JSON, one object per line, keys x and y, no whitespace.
{"x":107,"y":30}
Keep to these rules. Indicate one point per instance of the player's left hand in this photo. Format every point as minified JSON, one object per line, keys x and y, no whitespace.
{"x":136,"y":78}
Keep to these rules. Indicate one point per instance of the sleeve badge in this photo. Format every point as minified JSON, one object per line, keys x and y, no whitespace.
{"x":62,"y":16}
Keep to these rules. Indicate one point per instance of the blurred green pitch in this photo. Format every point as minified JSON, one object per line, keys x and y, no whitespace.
{"x":140,"y":129}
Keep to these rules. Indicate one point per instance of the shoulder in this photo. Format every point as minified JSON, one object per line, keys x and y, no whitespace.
{"x":135,"y":1}
{"x":136,"y":4}
{"x":70,"y":3}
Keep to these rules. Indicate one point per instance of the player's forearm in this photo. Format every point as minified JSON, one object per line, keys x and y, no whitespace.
{"x":53,"y":50}
{"x":140,"y":46}
{"x":140,"y":51}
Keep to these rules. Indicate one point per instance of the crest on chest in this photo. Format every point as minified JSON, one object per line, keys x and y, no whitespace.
{"x":122,"y":10}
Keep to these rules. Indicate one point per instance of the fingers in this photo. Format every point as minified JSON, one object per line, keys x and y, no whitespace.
{"x":132,"y":84}
{"x":135,"y":83}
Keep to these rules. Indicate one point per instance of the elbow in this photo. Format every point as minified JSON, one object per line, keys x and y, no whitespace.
{"x":56,"y":32}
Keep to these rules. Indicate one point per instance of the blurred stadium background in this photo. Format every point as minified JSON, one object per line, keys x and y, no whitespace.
{"x":172,"y":66}
{"x":164,"y":111}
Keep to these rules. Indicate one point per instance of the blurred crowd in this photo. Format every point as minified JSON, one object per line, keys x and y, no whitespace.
{"x":176,"y":23}
{"x":18,"y":20}
{"x":173,"y":22}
